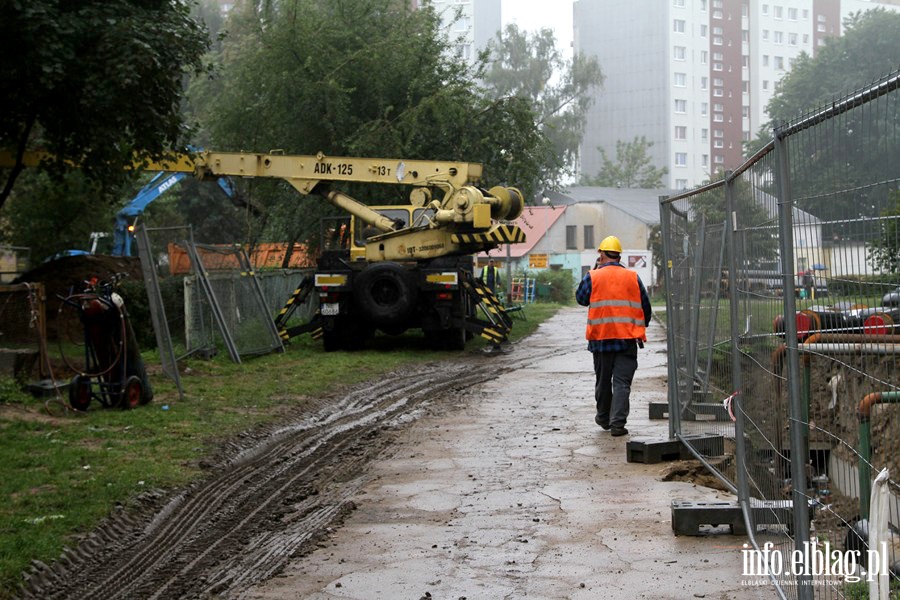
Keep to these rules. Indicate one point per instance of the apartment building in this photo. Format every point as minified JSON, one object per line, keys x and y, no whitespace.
{"x":694,"y":76}
{"x":470,"y":24}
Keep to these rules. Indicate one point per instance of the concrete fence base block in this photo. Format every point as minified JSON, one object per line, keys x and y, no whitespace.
{"x":689,"y":516}
{"x":659,"y":411}
{"x":655,"y":451}
{"x":652,"y":451}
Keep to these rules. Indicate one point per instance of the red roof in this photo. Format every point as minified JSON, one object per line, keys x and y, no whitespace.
{"x":535,"y":221}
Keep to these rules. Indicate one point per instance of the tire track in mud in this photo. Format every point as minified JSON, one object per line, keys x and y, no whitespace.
{"x":274,"y":498}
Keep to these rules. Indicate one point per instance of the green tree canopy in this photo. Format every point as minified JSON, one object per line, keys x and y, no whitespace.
{"x":357,"y":78}
{"x":532,"y":67}
{"x":631,"y":169}
{"x":834,"y":165}
{"x":94,"y":82}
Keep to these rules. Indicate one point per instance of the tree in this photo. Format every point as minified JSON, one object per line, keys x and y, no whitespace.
{"x":358,"y":78}
{"x":95,"y":83}
{"x":884,"y":253}
{"x":857,"y":148}
{"x":531,"y":67}
{"x":631,"y":169}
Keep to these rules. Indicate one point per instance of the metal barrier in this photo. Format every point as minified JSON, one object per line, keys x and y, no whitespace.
{"x":23,"y":336}
{"x":783,"y":333}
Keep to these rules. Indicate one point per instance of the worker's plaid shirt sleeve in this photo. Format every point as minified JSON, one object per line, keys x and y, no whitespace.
{"x":583,"y":293}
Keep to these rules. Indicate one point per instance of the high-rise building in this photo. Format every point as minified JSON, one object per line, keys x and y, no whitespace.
{"x":472,"y":27}
{"x":694,"y":76}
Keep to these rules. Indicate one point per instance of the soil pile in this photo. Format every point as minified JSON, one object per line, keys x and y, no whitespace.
{"x":66,"y":275}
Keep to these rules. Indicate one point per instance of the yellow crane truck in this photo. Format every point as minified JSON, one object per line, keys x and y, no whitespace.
{"x":406,"y":266}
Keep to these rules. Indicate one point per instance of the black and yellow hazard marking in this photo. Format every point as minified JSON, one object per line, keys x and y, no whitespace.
{"x":500,"y":234}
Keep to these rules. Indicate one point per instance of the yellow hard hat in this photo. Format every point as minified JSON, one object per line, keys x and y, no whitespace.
{"x":610,"y":244}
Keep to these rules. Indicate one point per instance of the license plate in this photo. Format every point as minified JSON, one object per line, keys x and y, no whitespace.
{"x":329,"y":310}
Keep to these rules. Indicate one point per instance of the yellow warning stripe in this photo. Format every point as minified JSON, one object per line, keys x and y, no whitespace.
{"x":501,"y":234}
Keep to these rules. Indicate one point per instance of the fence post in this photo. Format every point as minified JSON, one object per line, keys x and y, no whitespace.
{"x":740,"y":451}
{"x":798,"y":427}
{"x":671,"y":366}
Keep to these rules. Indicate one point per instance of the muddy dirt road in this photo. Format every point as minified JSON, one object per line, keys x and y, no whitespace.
{"x":483,"y":477}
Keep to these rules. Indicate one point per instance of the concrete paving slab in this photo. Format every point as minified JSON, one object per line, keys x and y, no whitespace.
{"x":516,"y":493}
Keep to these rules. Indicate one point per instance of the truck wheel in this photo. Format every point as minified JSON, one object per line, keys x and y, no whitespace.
{"x":456,"y":338}
{"x":386,"y":293}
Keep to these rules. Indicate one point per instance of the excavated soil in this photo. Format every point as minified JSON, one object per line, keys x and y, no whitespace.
{"x":63,"y":276}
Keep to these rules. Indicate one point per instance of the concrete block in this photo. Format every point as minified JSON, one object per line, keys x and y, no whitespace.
{"x":659,"y":410}
{"x":652,"y":451}
{"x":689,"y":516}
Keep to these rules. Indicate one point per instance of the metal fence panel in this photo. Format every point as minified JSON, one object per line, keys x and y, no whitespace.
{"x":779,"y":297}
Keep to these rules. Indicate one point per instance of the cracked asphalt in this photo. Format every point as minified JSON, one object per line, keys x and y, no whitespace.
{"x":514,"y":492}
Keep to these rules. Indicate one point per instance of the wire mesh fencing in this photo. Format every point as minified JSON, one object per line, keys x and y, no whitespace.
{"x":783,"y":310}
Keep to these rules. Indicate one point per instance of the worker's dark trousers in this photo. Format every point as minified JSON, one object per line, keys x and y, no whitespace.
{"x":615,"y":372}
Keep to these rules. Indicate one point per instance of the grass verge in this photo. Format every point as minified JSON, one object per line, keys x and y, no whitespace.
{"x":62,"y":474}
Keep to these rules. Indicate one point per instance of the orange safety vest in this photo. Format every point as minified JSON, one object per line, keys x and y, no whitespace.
{"x":615,"y":312}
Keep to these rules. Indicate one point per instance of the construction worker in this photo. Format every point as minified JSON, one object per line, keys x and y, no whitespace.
{"x":490,"y":275}
{"x":618,"y":314}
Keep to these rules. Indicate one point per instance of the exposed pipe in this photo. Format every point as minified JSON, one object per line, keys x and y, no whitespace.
{"x":864,"y":412}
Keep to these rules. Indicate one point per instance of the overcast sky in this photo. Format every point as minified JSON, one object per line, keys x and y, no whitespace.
{"x":532,"y":15}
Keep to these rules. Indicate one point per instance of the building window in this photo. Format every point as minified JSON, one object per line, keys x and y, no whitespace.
{"x":717,"y":40}
{"x":588,"y":236}
{"x":717,"y":14}
{"x":718,"y":133}
{"x":703,"y":5}
{"x":765,"y":34}
{"x":792,"y":39}
{"x":718,"y":67}
{"x":718,"y":107}
{"x":779,"y":62}
{"x":571,"y":243}
{"x":679,"y":3}
{"x":679,"y":52}
{"x":680,"y":79}
{"x":745,"y":112}
{"x":792,"y":14}
{"x":704,"y":134}
{"x":704,"y":57}
{"x":718,"y":92}
{"x":765,"y":84}
{"x":704,"y":109}
{"x":778,"y":12}
{"x":765,"y":60}
{"x":718,"y":118}
{"x":805,"y":14}
{"x":765,"y":9}
{"x":703,"y":30}
{"x":681,"y":184}
{"x":745,"y":61}
{"x":681,"y":159}
{"x":745,"y":87}
{"x":678,"y":26}
{"x":820,"y":28}
{"x":719,"y":159}
{"x":680,"y":106}
{"x":779,"y":37}
{"x":718,"y":56}
{"x":704,"y":83}
{"x":805,"y":39}
{"x":704,"y":160}
{"x":680,"y":132}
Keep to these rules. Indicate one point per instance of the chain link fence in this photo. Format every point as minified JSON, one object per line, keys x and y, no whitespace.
{"x":783,"y":313}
